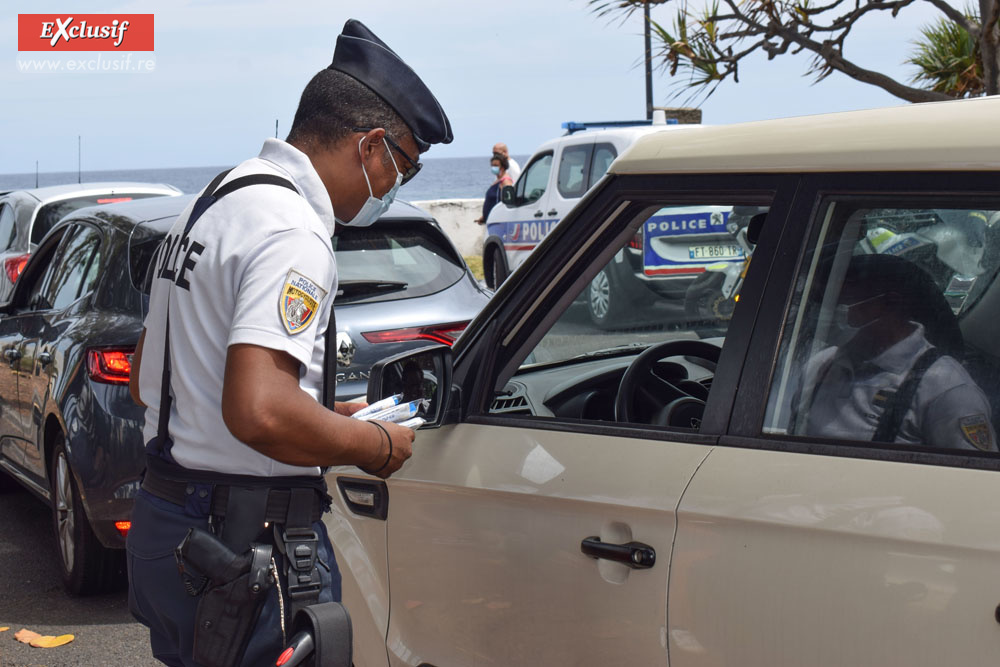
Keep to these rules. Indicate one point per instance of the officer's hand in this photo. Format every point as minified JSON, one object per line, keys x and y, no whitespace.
{"x":402,"y":449}
{"x":348,"y":409}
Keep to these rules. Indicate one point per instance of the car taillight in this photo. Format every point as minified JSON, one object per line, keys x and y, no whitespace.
{"x":110,"y":365}
{"x":14,"y":265}
{"x":439,"y":333}
{"x":636,"y":242}
{"x":123,"y":527}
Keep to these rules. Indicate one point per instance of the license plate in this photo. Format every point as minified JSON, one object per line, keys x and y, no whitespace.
{"x":715,"y":252}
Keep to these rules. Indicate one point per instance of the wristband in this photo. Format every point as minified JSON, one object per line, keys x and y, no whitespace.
{"x":389,"y":438}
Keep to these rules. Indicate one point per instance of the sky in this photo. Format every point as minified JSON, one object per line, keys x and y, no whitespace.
{"x":510,"y":71}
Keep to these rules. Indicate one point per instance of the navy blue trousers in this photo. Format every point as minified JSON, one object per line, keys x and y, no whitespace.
{"x":156,"y":594}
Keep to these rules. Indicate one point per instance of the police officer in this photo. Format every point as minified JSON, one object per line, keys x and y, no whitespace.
{"x":886,"y":380}
{"x":231,"y":363}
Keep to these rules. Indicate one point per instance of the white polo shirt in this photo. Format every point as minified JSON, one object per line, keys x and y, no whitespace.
{"x":258,"y":268}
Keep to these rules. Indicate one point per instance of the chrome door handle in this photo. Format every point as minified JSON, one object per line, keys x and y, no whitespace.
{"x":45,"y":358}
{"x":636,"y":555}
{"x":552,"y":212}
{"x":11,"y":354}
{"x":539,"y":213}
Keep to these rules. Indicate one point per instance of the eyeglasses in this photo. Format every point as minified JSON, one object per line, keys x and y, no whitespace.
{"x":414,"y":167}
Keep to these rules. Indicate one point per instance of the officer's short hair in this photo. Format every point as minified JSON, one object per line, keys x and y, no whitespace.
{"x":333,"y":103}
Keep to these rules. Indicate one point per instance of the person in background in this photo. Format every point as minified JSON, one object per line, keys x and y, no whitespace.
{"x":499,"y":166}
{"x":513,"y":168}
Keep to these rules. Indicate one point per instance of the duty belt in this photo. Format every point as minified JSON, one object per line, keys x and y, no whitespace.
{"x":180,"y":492}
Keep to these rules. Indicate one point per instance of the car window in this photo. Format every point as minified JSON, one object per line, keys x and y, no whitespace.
{"x":394,"y":260}
{"x":49,"y":214}
{"x":676,"y":281}
{"x":572,"y":181}
{"x":604,"y":155}
{"x":75,"y":267}
{"x":31,"y":290}
{"x":7,"y":227}
{"x":531,"y":186}
{"x":891,"y":340}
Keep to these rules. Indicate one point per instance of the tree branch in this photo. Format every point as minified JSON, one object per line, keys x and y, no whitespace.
{"x":834,"y":60}
{"x":958,"y":17}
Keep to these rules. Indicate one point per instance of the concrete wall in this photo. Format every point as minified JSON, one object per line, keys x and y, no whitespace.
{"x":456,"y":217}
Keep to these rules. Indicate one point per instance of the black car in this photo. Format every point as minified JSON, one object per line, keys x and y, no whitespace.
{"x":69,"y":430}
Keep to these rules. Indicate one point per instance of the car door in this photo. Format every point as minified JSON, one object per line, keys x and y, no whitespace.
{"x":536,"y":528}
{"x":810,"y":537}
{"x":523,"y":224}
{"x":30,"y":295}
{"x":74,"y":273}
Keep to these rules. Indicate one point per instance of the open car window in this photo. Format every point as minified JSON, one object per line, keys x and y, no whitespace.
{"x":891,"y":340}
{"x":670,"y":290}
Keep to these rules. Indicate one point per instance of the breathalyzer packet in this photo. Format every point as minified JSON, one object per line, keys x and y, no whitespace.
{"x":365,"y":413}
{"x":414,"y":423}
{"x":398,"y":413}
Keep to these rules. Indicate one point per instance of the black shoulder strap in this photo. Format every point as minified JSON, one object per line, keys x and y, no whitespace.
{"x":330,"y":360}
{"x":902,"y":399}
{"x":209,"y":196}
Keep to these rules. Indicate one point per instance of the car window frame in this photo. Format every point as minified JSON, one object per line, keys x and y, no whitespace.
{"x":519,"y":199}
{"x":797,"y":238}
{"x":514,"y":318}
{"x":75,"y":228}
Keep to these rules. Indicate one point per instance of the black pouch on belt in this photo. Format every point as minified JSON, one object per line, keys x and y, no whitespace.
{"x":234,"y":591}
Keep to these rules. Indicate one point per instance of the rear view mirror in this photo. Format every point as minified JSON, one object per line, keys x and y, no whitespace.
{"x":507,"y":196}
{"x":423,"y":373}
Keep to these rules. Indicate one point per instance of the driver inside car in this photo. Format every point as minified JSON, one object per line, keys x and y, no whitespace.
{"x":892,"y":374}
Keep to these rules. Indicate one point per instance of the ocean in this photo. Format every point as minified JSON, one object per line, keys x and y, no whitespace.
{"x":440,"y":178}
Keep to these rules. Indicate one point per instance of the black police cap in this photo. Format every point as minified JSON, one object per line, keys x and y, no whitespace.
{"x":365,"y":57}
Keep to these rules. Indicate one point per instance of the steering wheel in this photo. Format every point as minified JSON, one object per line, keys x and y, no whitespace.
{"x":679,"y":403}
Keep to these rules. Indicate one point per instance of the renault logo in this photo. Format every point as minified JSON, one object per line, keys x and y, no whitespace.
{"x":345,"y":349}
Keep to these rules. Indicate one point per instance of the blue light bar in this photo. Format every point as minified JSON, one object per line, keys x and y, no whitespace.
{"x":572,"y":126}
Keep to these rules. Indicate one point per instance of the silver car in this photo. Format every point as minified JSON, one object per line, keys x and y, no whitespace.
{"x":27,"y":215}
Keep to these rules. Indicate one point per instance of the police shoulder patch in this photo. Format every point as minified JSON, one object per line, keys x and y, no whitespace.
{"x":976,"y":430}
{"x":300,"y":299}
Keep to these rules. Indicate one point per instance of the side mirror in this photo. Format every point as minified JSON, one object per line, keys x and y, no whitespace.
{"x":423,"y":373}
{"x":507,"y":196}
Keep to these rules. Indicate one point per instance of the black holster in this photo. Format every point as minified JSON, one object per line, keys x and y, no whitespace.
{"x":233,"y":588}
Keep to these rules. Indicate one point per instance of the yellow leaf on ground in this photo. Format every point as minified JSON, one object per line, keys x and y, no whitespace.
{"x":5,"y":628}
{"x":25,"y":636}
{"x":48,"y":641}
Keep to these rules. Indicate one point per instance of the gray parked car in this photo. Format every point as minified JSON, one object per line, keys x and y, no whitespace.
{"x":27,"y":215}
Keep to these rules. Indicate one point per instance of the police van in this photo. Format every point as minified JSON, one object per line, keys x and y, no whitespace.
{"x":674,"y":246}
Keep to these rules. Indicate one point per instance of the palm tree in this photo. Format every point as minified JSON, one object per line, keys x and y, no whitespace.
{"x":948,"y":59}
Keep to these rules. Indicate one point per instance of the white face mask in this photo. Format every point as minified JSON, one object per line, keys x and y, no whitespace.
{"x":373,"y":209}
{"x":841,"y":320}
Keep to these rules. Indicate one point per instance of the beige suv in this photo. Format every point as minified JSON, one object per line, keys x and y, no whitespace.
{"x":814,"y":481}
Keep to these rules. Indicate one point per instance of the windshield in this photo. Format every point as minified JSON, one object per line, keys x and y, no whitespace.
{"x":50,"y":214}
{"x":394,"y":260}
